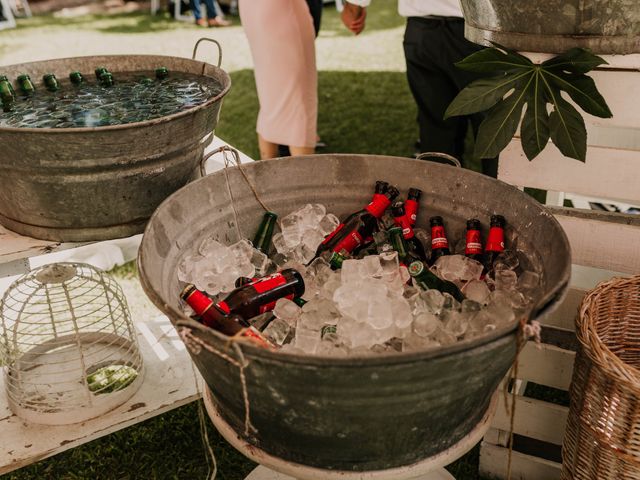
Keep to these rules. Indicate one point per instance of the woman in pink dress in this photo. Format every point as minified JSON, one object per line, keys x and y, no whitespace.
{"x":281,"y":37}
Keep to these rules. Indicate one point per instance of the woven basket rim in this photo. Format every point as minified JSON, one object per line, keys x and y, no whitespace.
{"x":590,"y":340}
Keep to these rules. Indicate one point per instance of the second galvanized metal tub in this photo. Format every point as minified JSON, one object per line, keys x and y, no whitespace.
{"x":97,"y":183}
{"x":354,"y":413}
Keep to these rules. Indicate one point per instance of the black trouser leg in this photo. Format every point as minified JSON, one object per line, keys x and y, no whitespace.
{"x":432,"y":47}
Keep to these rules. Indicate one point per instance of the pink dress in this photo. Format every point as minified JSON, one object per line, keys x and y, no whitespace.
{"x":281,"y":37}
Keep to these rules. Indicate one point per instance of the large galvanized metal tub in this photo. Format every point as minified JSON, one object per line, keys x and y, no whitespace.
{"x":97,"y":183}
{"x":554,"y":26}
{"x":356,"y":413}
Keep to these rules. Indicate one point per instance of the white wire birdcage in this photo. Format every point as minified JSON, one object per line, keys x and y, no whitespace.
{"x":68,"y":344}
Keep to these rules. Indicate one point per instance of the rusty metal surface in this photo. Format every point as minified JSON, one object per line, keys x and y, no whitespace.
{"x":554,"y":26}
{"x":96,"y":183}
{"x":355,"y":413}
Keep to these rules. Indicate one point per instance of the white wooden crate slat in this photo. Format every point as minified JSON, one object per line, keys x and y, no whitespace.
{"x":607,"y":173}
{"x":546,"y":365}
{"x":493,"y":462}
{"x":610,"y":241}
{"x":534,"y":419}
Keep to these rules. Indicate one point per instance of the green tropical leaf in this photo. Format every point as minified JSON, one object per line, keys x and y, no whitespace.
{"x":482,"y":94}
{"x":491,"y":60}
{"x":566,"y":126}
{"x":501,"y":124}
{"x":576,"y":60}
{"x":534,"y":131}
{"x":582,"y":89}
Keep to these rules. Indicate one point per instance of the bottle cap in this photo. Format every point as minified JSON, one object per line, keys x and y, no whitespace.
{"x":187,"y":291}
{"x":473,"y":224}
{"x":414,"y":193}
{"x":381,"y":186}
{"x":498,"y":221}
{"x":435,"y":221}
{"x":392,"y":192}
{"x":397,"y":209}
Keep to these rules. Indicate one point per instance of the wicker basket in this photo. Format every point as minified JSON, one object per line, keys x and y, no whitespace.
{"x":602,"y":440}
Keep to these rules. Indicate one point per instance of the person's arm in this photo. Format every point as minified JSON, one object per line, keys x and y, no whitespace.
{"x":354,"y":13}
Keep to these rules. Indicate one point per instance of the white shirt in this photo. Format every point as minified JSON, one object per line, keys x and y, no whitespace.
{"x":422,"y":8}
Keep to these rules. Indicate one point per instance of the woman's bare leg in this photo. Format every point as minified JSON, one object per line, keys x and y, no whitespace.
{"x":267,"y":148}
{"x":301,"y":150}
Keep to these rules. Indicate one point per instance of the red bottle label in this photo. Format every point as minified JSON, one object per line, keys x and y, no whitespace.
{"x":332,"y":234}
{"x":349,"y":243}
{"x":411,"y":210}
{"x":404,"y":222}
{"x":438,"y":238}
{"x":378,"y":205}
{"x":199,"y":302}
{"x":256,"y":337}
{"x":495,"y":241}
{"x":224,"y":307}
{"x":269,"y":283}
{"x":474,"y":244}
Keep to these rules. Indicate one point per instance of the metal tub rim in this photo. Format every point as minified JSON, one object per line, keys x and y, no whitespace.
{"x":156,"y":121}
{"x":545,"y":305}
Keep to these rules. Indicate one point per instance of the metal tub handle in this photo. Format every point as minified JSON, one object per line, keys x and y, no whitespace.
{"x":453,"y":160}
{"x":204,"y":39}
{"x":227,"y":162}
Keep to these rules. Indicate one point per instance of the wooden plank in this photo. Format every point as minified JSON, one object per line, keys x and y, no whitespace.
{"x":534,"y":419}
{"x":493,"y":462}
{"x":15,"y":247}
{"x":546,"y":365}
{"x":169,"y":382}
{"x":497,"y":437}
{"x":610,"y":241}
{"x":607,"y":173}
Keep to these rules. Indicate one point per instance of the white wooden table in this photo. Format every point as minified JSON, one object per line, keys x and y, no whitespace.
{"x":170,"y":379}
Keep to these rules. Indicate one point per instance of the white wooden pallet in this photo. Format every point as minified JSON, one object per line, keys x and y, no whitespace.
{"x":603,"y":245}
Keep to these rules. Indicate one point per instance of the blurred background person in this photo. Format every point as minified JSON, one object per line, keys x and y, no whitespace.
{"x":281,"y":37}
{"x":214,"y":14}
{"x":433,"y":42}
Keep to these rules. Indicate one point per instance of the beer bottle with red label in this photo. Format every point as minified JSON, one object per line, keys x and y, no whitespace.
{"x":473,"y":244}
{"x":402,"y":220}
{"x":260,"y":295}
{"x":495,"y":240}
{"x":411,"y":205}
{"x":357,"y":228}
{"x":209,"y":314}
{"x":439,"y":242}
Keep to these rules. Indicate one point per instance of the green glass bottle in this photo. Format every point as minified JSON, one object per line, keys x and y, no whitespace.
{"x":299,"y":301}
{"x":51,"y":82}
{"x":336,"y":259}
{"x":262,"y":239}
{"x":99,"y":71}
{"x":76,"y":78}
{"x":106,"y":79}
{"x":427,"y":280}
{"x":162,"y":73}
{"x":7,"y":94}
{"x":26,"y":85}
{"x":399,"y":245}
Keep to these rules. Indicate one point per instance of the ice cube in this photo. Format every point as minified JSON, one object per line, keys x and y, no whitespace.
{"x":370,"y":266}
{"x":286,"y":310}
{"x":457,"y":322}
{"x":476,"y":290}
{"x":279,"y":243}
{"x":402,"y":316}
{"x":379,"y":313}
{"x":186,"y":267}
{"x":507,"y":260}
{"x":390,"y":266}
{"x":242,"y":250}
{"x":210,"y":246}
{"x":307,"y":340}
{"x":415,"y":342}
{"x":505,"y":279}
{"x":351,"y":272}
{"x":260,"y":262}
{"x":312,"y":238}
{"x":458,"y":268}
{"x":433,"y":300}
{"x":528,"y":283}
{"x":328,"y":224}
{"x":277,"y":331}
{"x":425,"y":324}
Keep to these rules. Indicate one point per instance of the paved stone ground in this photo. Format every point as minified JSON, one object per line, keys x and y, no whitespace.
{"x":68,"y":34}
